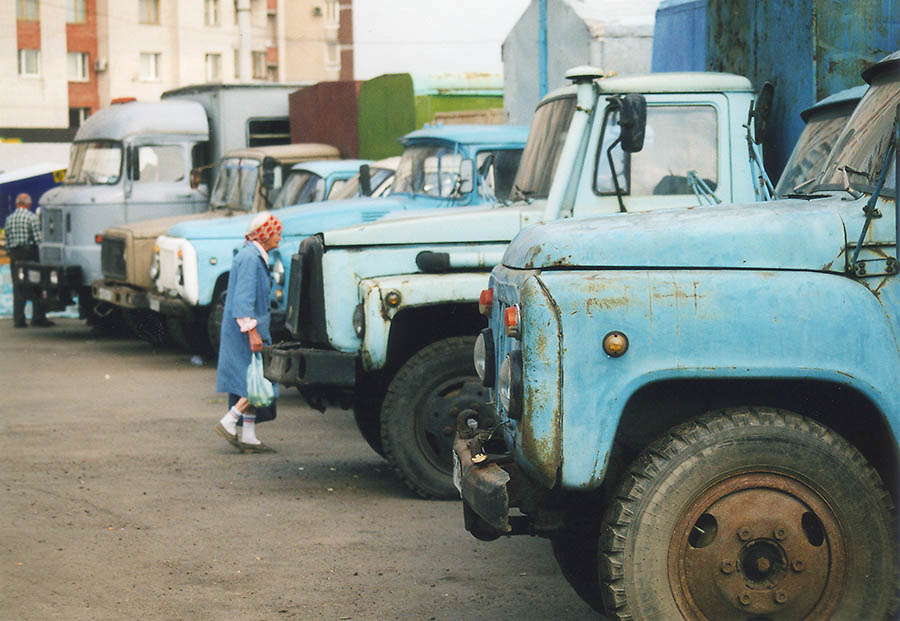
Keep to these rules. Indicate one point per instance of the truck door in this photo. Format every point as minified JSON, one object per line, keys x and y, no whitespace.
{"x":158,"y":181}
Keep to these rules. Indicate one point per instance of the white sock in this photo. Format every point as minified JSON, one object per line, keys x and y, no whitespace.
{"x":229,"y":421}
{"x":249,"y":434}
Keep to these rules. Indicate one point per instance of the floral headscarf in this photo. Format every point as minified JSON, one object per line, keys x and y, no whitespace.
{"x":263,"y":227}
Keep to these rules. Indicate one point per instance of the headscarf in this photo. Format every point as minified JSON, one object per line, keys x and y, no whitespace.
{"x":263,"y":227}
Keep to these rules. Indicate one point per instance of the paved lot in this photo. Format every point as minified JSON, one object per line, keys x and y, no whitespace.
{"x":119,"y":501}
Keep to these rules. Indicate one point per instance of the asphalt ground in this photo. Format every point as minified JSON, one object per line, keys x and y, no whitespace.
{"x":120,"y":502}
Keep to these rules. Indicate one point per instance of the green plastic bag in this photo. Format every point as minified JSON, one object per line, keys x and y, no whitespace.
{"x":259,"y":390}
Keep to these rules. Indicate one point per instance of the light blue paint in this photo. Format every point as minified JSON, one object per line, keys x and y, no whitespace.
{"x":542,"y":49}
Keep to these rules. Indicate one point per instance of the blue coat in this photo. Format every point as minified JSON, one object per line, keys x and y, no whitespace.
{"x":248,"y":296}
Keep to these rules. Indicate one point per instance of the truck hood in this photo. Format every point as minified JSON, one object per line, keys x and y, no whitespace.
{"x":147,"y":229}
{"x":789,"y":234}
{"x":64,"y":195}
{"x":300,"y":220}
{"x":456,"y":225}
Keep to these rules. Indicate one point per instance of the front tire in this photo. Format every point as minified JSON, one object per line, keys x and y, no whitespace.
{"x":749,"y":513}
{"x":418,"y":416}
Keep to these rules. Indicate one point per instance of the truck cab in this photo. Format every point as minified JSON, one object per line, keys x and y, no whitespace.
{"x":127,"y":251}
{"x":441,"y":167}
{"x":385,"y":314}
{"x":122,"y":168}
{"x":699,"y":407}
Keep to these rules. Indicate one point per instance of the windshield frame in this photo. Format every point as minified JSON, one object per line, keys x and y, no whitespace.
{"x":236,"y":190}
{"x":76,"y":162}
{"x":545,"y":160}
{"x":302,"y":188}
{"x":431,"y":149}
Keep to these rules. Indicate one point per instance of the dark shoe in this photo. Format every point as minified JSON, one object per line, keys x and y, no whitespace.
{"x":255,"y":448}
{"x":42,"y":323}
{"x":232,"y":439}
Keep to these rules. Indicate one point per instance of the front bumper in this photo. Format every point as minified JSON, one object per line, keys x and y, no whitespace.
{"x":483,"y":488}
{"x":119,"y":294}
{"x":291,"y":364}
{"x":56,"y":284}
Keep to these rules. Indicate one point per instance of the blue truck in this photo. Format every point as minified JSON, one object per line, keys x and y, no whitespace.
{"x":699,"y":407}
{"x":441,"y":167}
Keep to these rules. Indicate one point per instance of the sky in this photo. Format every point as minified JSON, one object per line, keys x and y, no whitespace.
{"x":431,"y":36}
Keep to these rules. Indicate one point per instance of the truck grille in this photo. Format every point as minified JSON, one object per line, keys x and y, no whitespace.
{"x":51,"y":255}
{"x":112,"y":258}
{"x":306,"y":295}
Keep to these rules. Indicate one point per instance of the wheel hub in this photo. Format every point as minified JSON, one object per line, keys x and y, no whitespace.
{"x":757,"y":546}
{"x":436,"y":420}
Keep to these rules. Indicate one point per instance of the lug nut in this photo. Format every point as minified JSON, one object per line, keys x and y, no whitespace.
{"x":744,"y":599}
{"x":799,"y":566}
{"x":763,"y":564}
{"x":779,"y":534}
{"x":744,"y":533}
{"x":780,"y":597}
{"x":727,"y":567}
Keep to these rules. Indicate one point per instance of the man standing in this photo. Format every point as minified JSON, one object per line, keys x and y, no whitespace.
{"x":23,"y":234}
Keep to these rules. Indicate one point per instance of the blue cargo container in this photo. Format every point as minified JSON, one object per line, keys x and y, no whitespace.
{"x":808,"y":48}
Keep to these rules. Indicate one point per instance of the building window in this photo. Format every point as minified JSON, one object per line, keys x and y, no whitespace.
{"x":332,"y":56}
{"x":77,"y":117}
{"x":149,"y":69}
{"x":75,"y":11}
{"x":211,"y":12}
{"x":30,"y":63}
{"x":259,"y":65}
{"x":78,"y":66}
{"x":27,"y":10}
{"x":237,"y":64}
{"x":332,"y":12}
{"x":213,"y":67}
{"x":148,"y":11}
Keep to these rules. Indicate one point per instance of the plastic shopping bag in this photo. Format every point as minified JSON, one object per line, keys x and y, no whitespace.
{"x":259,"y":390}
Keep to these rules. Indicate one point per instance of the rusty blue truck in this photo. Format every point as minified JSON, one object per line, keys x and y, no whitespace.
{"x":700,"y":407}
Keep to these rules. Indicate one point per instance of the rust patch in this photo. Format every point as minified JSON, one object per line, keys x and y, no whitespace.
{"x":604,"y":304}
{"x":531,"y":255}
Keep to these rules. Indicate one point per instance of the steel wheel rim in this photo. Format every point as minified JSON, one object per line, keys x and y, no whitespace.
{"x":787,"y":561}
{"x":435,"y":420}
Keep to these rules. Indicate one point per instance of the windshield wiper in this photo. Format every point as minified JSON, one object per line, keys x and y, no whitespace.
{"x":523,"y":194}
{"x":848,"y":187}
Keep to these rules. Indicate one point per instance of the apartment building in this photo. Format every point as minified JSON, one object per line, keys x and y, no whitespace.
{"x":63,"y":59}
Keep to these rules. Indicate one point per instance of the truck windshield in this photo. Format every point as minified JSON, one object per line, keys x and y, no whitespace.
{"x":235,"y":184}
{"x":95,"y":162}
{"x":859,"y":151}
{"x":678,"y":141}
{"x":812,"y":148}
{"x":541,"y":155}
{"x":431,"y":170}
{"x":377,"y":179}
{"x":301,"y":187}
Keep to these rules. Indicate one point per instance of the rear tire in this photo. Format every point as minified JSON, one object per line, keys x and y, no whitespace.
{"x":148,"y":326}
{"x":188,"y":335}
{"x":746,"y":513}
{"x":418,"y":417}
{"x":214,"y":321}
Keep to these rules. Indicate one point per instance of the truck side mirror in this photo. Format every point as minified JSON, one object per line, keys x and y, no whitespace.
{"x":632,"y":122}
{"x":759,"y":112}
{"x":365,"y":180}
{"x":466,"y":177}
{"x":133,"y":163}
{"x":268,"y":173}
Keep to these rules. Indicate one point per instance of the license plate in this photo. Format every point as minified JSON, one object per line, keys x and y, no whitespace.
{"x":105,"y":294}
{"x":154,"y":305}
{"x":457,"y":473}
{"x":34,"y":277}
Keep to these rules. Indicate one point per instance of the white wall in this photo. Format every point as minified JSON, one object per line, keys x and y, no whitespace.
{"x":430,"y":36}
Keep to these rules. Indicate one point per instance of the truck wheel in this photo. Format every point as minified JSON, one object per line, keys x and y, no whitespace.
{"x":369,"y":427}
{"x":418,"y":417}
{"x":576,"y":555}
{"x":749,"y":513}
{"x":187,"y":335}
{"x":214,"y":321}
{"x":147,"y":326}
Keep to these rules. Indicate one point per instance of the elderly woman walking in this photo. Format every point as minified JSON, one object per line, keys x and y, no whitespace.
{"x":245,"y":329}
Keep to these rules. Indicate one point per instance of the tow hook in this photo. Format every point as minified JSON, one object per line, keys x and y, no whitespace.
{"x":475,"y":438}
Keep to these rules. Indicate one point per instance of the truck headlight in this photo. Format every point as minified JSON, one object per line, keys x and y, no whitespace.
{"x":359,"y":320}
{"x":54,"y":277}
{"x":278,"y":272}
{"x":484,"y":356}
{"x":509,"y":384}
{"x":154,"y":264}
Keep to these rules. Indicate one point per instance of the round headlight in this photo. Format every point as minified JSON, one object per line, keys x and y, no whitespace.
{"x":154,"y":267}
{"x":484,"y":357}
{"x":359,"y":320}
{"x":509,"y":384}
{"x":278,"y":272}
{"x":54,"y":277}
